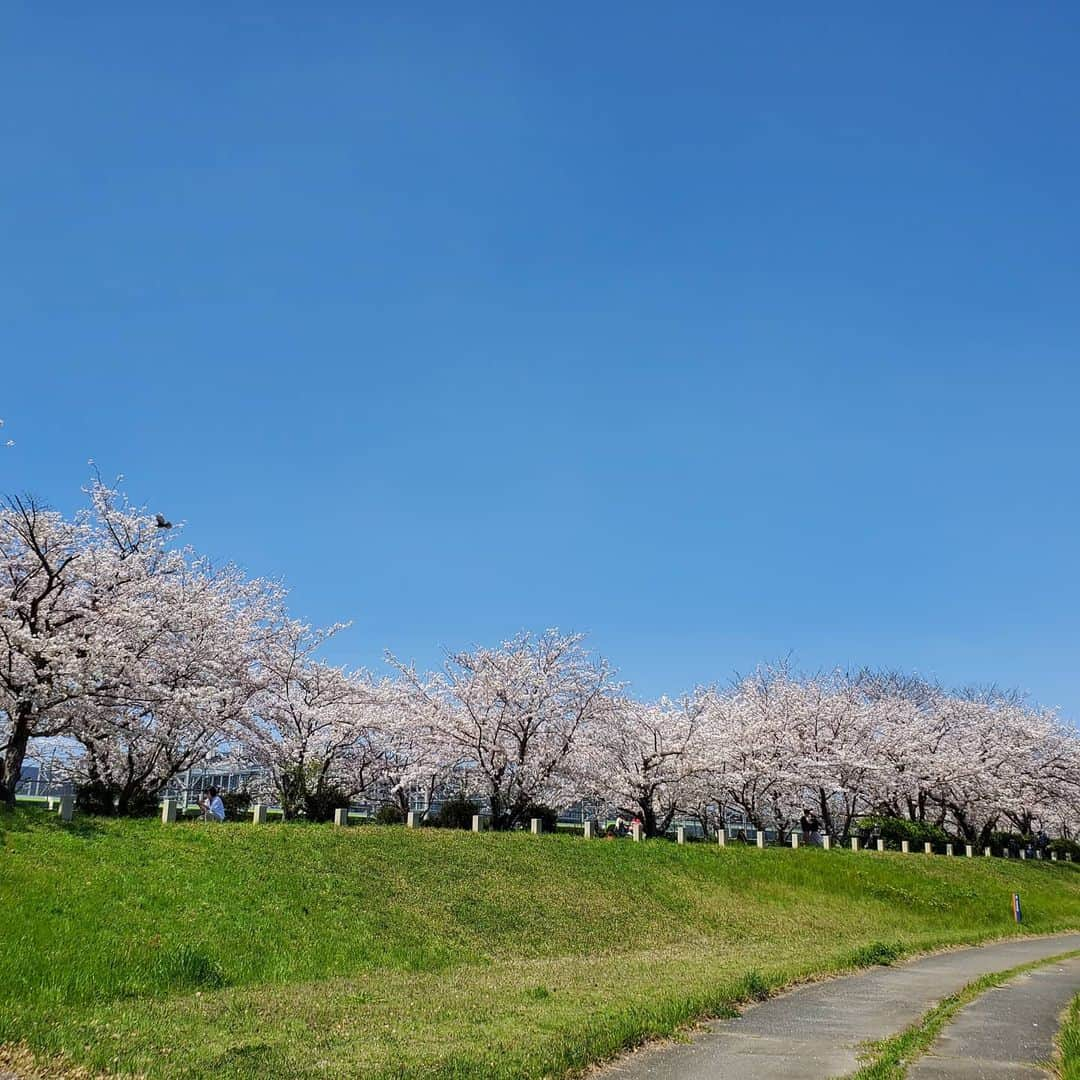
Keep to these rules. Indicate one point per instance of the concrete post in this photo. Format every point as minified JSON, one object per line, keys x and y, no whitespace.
{"x":412,"y":819}
{"x":168,"y":811}
{"x":1004,"y":852}
{"x":636,"y":832}
{"x":680,"y":835}
{"x":258,"y":814}
{"x":928,"y":848}
{"x":536,"y":826}
{"x":761,"y":838}
{"x":854,"y":843}
{"x":969,"y":851}
{"x":794,"y":841}
{"x":826,"y":842}
{"x":721,"y":836}
{"x":341,"y":817}
{"x":880,"y":844}
{"x":52,"y":805}
{"x":948,"y":849}
{"x":1023,"y":853}
{"x":67,"y":807}
{"x":478,"y":823}
{"x":1038,"y":854}
{"x":905,"y":846}
{"x":1053,"y":856}
{"x":589,"y":829}
{"x":987,"y":852}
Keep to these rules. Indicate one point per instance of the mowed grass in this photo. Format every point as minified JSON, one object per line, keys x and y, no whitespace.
{"x":303,"y":951}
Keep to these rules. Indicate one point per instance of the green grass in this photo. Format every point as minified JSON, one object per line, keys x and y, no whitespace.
{"x":891,"y":1058}
{"x":301,"y":951}
{"x":1068,"y":1040}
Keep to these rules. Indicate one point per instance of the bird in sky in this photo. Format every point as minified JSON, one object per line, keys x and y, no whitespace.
{"x":161,"y":522}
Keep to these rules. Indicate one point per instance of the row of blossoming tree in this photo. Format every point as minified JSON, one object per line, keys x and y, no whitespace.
{"x":146,"y":661}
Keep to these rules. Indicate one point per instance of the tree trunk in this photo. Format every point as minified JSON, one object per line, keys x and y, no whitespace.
{"x":12,"y":763}
{"x":827,"y":823}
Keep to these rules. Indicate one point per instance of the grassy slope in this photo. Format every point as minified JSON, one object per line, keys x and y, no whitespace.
{"x":295,"y":951}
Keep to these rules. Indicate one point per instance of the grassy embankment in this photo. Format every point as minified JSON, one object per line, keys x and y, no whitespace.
{"x":301,"y":951}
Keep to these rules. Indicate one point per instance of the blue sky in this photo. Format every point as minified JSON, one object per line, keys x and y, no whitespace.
{"x":719,"y":332}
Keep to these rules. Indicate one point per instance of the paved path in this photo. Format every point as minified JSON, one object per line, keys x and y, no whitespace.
{"x":814,"y":1032}
{"x":1004,"y":1033}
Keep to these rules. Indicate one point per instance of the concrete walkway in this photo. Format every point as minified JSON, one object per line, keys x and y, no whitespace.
{"x":815,"y":1031}
{"x":1006,"y":1032}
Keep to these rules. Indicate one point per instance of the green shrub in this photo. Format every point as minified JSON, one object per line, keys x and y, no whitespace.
{"x":236,"y":803}
{"x":456,"y":814}
{"x":894,"y":830}
{"x":390,"y":814}
{"x":1065,"y":847}
{"x":549,"y":818}
{"x":320,"y":805}
{"x":110,"y":800}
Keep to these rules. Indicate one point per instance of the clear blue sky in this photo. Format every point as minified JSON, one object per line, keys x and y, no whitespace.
{"x":716,"y":331}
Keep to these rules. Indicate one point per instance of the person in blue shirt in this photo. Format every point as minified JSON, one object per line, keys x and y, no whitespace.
{"x":213,"y":809}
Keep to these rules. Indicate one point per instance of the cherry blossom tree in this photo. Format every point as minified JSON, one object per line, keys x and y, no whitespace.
{"x":182,"y":685}
{"x":512,"y":717}
{"x":63,"y":582}
{"x":643,"y":758}
{"x":312,"y":727}
{"x":416,"y":757}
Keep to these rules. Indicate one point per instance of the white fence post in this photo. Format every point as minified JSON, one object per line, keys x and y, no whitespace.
{"x":536,"y":826}
{"x":905,"y":846}
{"x":258,"y":814}
{"x":636,"y":831}
{"x":987,"y":852}
{"x":854,"y":843}
{"x":412,"y":819}
{"x":67,"y":807}
{"x":341,"y":817}
{"x":680,"y":835}
{"x":794,"y":841}
{"x":587,"y":828}
{"x":721,"y":836}
{"x":928,"y":848}
{"x":761,"y":838}
{"x":826,"y":842}
{"x":478,"y":823}
{"x":880,"y":844}
{"x":168,"y":811}
{"x":969,"y":851}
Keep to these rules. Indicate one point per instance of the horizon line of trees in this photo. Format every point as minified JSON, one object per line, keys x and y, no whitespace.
{"x":148,"y":660}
